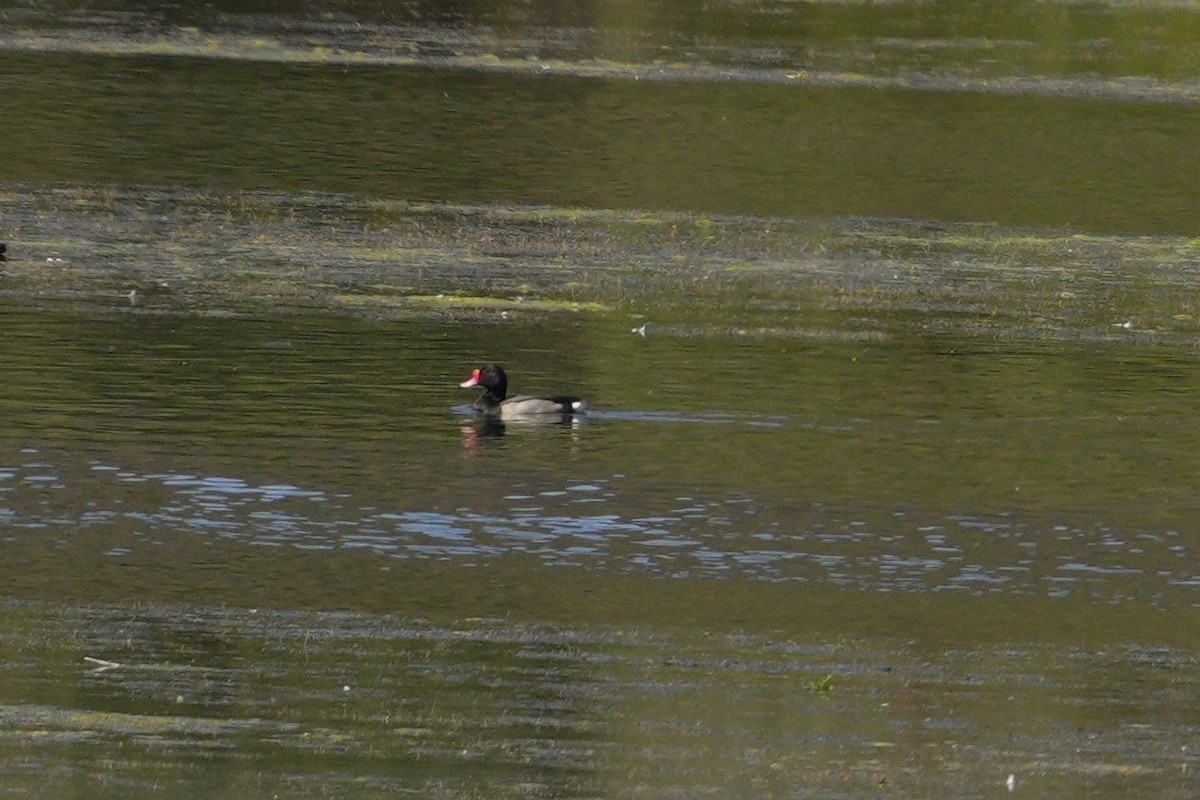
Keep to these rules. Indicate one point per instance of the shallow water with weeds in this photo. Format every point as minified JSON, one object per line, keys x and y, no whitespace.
{"x":890,"y":335}
{"x":313,"y":704}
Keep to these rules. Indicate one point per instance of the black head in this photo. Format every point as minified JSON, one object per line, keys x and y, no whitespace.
{"x":491,"y":378}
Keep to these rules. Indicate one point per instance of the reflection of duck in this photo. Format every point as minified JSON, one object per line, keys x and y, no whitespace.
{"x":495,"y":402}
{"x":3,"y":247}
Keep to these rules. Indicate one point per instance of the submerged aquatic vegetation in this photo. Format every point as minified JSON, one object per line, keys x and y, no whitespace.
{"x":822,"y":686}
{"x":209,"y":252}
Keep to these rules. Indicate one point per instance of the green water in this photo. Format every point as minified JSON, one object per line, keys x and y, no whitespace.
{"x":887,"y":319}
{"x":599,"y":608}
{"x":738,"y":148}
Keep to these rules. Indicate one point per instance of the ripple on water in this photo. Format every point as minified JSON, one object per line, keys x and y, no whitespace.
{"x":595,"y":525}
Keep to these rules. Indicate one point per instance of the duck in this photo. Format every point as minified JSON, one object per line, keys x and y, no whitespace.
{"x":495,"y":402}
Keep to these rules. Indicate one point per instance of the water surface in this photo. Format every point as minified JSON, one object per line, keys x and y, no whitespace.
{"x":886,"y":314}
{"x":1055,"y":114}
{"x":622,"y":606}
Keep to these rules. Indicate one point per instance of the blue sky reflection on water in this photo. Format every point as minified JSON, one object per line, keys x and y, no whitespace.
{"x":594,"y":526}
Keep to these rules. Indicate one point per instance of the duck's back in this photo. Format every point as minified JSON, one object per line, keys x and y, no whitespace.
{"x":527,"y":406}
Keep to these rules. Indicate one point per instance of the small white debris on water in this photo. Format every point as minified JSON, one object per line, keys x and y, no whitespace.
{"x":102,"y":665}
{"x":639,"y":331}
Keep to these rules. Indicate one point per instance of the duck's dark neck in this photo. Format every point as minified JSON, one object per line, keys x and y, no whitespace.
{"x":489,"y":401}
{"x":497,"y":388}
